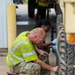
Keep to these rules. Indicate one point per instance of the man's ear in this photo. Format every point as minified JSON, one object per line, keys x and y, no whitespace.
{"x":35,"y":36}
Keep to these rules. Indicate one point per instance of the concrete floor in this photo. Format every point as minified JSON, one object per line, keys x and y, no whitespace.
{"x":3,"y":66}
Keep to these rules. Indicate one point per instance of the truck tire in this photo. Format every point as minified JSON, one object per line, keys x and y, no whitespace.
{"x":65,"y":52}
{"x":31,"y":7}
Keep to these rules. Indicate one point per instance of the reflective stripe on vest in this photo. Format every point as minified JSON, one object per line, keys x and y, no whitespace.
{"x":19,"y":44}
{"x":29,"y":54}
{"x":11,"y":52}
{"x":14,"y":63}
{"x":18,"y":58}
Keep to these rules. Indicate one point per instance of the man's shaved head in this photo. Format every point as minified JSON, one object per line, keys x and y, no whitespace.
{"x":39,"y":31}
{"x":38,"y":35}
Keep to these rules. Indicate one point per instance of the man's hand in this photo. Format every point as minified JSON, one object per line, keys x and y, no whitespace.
{"x":44,"y":53}
{"x":55,"y":69}
{"x":46,"y":66}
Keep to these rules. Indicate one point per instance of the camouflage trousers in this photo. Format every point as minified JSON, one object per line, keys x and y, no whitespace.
{"x":27,"y":68}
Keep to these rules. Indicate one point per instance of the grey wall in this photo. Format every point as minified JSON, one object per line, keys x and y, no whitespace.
{"x":3,"y":23}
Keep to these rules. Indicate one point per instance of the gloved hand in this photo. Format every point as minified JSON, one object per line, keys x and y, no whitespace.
{"x":54,"y":41}
{"x":54,"y":48}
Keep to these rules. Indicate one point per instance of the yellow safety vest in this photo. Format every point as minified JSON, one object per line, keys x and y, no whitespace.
{"x":42,"y":3}
{"x":22,"y":50}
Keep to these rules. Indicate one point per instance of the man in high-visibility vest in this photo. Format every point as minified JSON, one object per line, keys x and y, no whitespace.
{"x":41,"y":9}
{"x":22,"y":57}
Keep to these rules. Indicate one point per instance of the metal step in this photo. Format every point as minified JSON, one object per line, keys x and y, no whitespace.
{"x":3,"y":51}
{"x":3,"y":54}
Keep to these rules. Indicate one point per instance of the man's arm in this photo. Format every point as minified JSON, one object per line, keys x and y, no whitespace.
{"x":46,"y":66}
{"x":36,"y":48}
{"x":44,"y":45}
{"x":44,"y":53}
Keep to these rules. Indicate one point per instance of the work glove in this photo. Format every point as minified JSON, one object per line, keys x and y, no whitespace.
{"x":54,"y":41}
{"x":54,"y":48}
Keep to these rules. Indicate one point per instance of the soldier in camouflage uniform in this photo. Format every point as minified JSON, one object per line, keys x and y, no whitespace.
{"x":22,"y":57}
